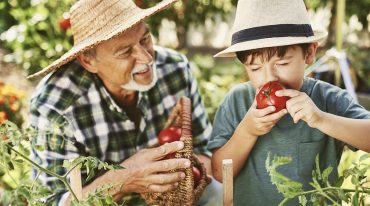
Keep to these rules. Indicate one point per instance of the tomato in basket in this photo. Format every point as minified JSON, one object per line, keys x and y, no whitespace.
{"x":197,"y":176}
{"x":169,"y":134}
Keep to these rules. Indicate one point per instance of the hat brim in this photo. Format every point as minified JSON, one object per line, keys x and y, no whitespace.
{"x":319,"y":37}
{"x":88,"y":44}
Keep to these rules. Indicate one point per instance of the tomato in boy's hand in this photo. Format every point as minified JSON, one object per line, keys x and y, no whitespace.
{"x":169,"y":134}
{"x":266,"y":96}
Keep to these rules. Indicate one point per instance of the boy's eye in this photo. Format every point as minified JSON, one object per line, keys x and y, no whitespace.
{"x":253,"y":69}
{"x":282,"y":64}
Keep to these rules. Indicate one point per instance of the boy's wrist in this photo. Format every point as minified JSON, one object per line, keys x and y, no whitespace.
{"x":243,"y":131}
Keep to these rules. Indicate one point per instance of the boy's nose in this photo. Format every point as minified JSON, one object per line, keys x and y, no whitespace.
{"x":270,"y":74}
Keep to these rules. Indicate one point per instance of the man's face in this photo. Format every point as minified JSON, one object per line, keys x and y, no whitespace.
{"x":288,"y":69}
{"x":126,"y":61}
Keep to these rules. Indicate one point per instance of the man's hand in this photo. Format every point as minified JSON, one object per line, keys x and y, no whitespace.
{"x":149,"y":173}
{"x":301,"y":107}
{"x":258,"y":122}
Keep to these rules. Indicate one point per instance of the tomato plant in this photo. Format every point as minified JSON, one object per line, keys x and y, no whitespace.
{"x":169,"y":134}
{"x":266,"y":96}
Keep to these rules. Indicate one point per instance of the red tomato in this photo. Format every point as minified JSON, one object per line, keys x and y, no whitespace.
{"x":197,"y":176}
{"x":169,"y":134}
{"x":266,"y":96}
{"x":64,"y":23}
{"x":171,"y":155}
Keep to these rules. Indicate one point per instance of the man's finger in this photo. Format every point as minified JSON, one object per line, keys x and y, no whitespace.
{"x":167,"y":165}
{"x":165,"y":178}
{"x":162,"y":188}
{"x":161,"y":151}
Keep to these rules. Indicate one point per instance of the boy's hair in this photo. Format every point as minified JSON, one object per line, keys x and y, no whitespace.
{"x":269,"y":52}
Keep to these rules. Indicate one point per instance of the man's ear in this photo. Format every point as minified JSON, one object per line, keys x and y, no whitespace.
{"x":88,"y":62}
{"x":311,"y":52}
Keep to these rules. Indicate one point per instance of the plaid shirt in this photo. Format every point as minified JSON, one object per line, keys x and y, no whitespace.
{"x":74,"y":115}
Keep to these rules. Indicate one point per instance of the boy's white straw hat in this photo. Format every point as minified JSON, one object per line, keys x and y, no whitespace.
{"x":270,"y":23}
{"x":96,"y":21}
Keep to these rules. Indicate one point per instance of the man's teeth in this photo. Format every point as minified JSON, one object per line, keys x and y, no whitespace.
{"x":142,"y":71}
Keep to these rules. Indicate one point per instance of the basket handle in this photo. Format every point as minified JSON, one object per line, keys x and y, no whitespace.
{"x":181,"y":115}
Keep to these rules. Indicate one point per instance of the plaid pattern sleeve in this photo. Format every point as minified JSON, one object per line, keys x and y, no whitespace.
{"x":75,"y":115}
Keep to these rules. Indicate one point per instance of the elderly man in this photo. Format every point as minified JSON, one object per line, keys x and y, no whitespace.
{"x":109,"y":97}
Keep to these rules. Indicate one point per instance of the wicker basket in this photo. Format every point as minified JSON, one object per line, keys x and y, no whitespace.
{"x":185,"y":193}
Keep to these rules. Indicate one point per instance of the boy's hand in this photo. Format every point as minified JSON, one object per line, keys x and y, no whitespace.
{"x":301,"y":106}
{"x":260,"y":121}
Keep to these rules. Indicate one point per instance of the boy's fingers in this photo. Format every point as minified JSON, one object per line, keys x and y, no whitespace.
{"x":274,"y":117}
{"x":254,"y":104}
{"x":265,"y":111}
{"x":298,"y":116}
{"x":287,"y":92}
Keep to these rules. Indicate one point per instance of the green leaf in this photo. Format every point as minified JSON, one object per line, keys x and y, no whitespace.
{"x":39,"y":147}
{"x":343,"y":196}
{"x":66,"y":164}
{"x":355,"y":201}
{"x":339,"y":181}
{"x":10,"y":165}
{"x":19,"y":161}
{"x":109,"y":200}
{"x":24,"y":192}
{"x":364,"y":157}
{"x":326,"y":173}
{"x":354,"y":180}
{"x":91,"y":174}
{"x":302,"y":200}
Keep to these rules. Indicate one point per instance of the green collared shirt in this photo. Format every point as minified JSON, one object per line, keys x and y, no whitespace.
{"x":75,"y":115}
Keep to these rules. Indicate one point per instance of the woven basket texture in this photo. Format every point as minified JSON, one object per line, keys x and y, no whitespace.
{"x":185,"y":194}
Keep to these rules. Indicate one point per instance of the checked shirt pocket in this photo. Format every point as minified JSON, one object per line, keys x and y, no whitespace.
{"x":307,"y":152}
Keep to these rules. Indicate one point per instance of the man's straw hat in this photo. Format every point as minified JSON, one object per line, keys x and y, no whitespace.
{"x":270,"y":23}
{"x":96,"y":21}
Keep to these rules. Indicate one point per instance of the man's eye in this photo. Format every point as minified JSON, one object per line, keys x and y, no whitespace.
{"x":145,"y":39}
{"x":125,"y":53}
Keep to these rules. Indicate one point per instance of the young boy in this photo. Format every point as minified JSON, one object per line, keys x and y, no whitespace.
{"x":274,"y":40}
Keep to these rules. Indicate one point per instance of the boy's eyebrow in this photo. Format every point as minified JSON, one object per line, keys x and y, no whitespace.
{"x":252,"y":64}
{"x":286,"y":57}
{"x":124,"y":46}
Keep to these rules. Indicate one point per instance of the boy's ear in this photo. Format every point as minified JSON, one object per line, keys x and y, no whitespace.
{"x":311,"y":52}
{"x":88,"y":62}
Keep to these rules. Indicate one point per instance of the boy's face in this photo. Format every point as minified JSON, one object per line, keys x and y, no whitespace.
{"x":288,"y":69}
